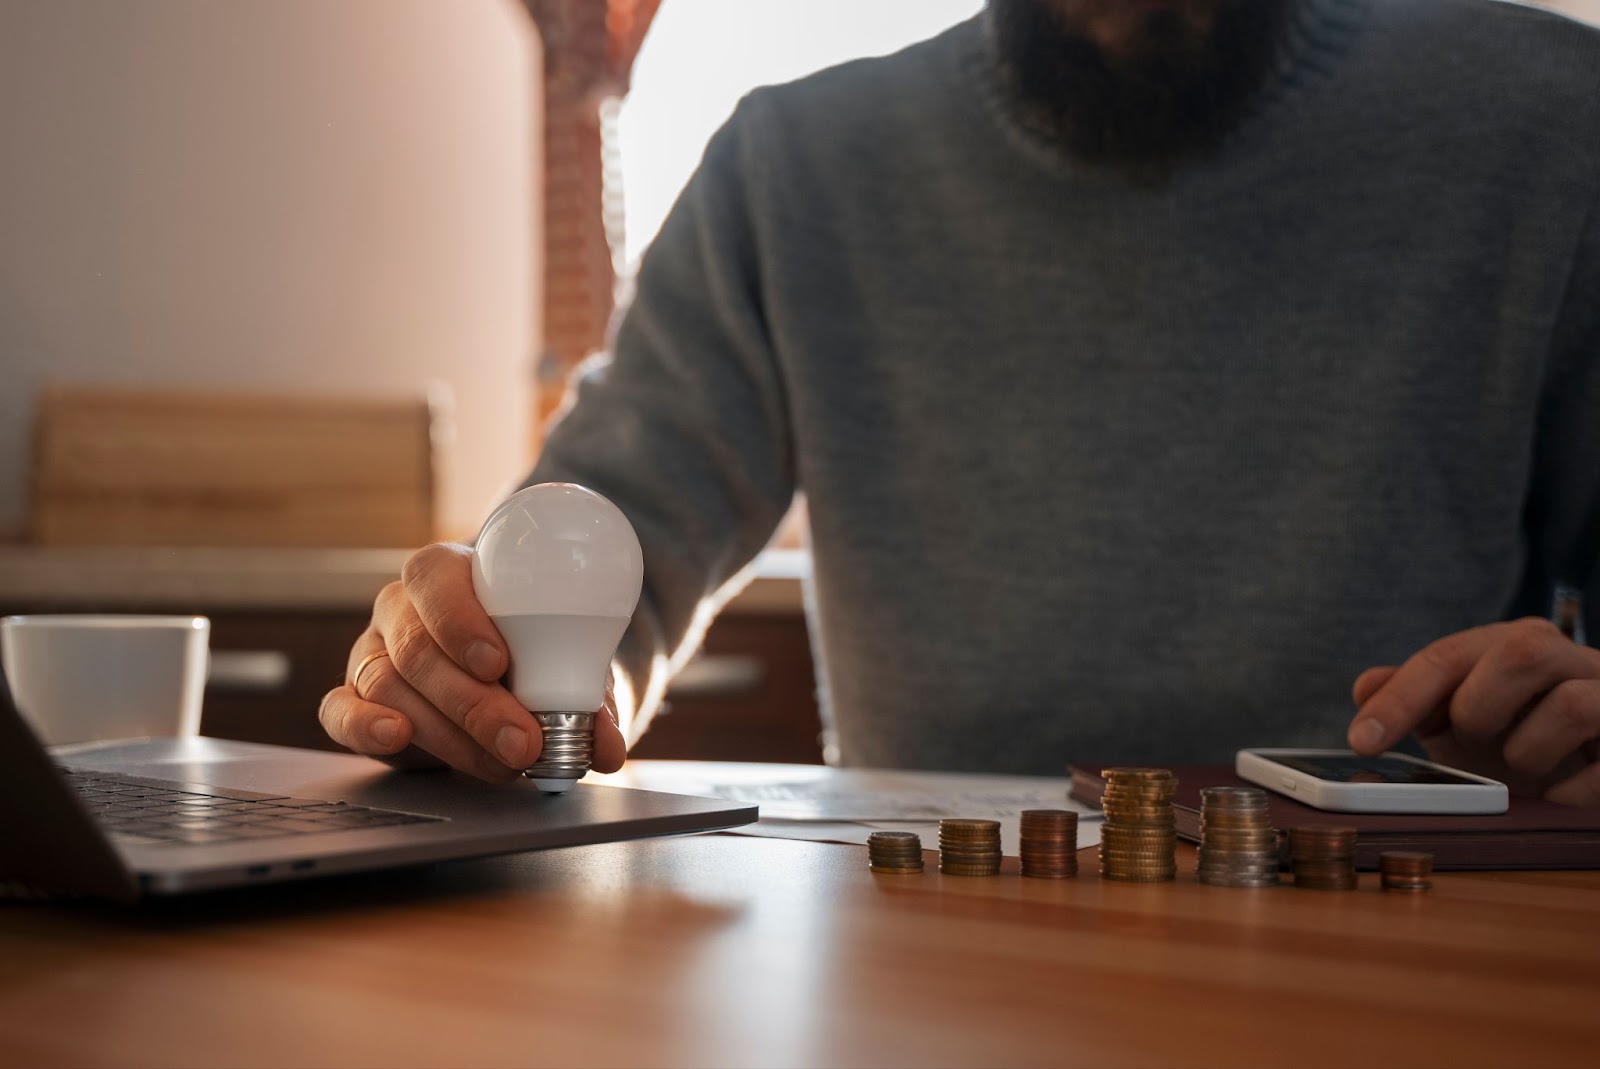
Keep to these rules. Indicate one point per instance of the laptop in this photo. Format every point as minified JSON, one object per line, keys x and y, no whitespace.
{"x":132,"y":819}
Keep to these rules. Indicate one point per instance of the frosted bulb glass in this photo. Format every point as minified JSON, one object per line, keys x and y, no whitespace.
{"x":558,"y":568}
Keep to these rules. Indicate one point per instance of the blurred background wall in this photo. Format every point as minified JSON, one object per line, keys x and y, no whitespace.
{"x":1583,"y":9}
{"x":333,"y":196}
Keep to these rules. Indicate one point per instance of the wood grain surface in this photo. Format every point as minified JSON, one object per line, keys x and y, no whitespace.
{"x":725,"y":950}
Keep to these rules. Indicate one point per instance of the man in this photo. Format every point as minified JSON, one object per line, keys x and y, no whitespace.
{"x":1151,"y":367}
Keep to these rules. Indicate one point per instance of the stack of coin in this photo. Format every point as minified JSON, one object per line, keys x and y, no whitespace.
{"x":1049,"y":843}
{"x":969,"y":847}
{"x":1238,"y":847}
{"x":1324,"y":857}
{"x":1137,"y":838}
{"x":894,"y":852}
{"x":1405,"y":870}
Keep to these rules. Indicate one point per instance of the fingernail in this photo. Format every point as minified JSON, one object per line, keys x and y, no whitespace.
{"x":483,"y":661}
{"x":385,"y":731}
{"x":1366,"y":735}
{"x":511,"y":743}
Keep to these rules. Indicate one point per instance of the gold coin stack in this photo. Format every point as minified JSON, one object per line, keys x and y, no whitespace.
{"x":1238,"y":847}
{"x":1324,"y":857}
{"x":1406,"y":870}
{"x":1049,"y":843}
{"x":894,"y":852}
{"x":1137,"y":839}
{"x":969,"y":847}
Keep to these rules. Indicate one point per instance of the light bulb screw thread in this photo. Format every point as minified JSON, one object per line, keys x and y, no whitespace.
{"x":568,"y":748}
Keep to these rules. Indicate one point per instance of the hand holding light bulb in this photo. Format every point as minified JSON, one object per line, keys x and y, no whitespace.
{"x":423,"y":683}
{"x":558,"y":568}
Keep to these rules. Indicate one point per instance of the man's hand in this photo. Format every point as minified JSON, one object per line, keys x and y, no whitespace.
{"x":1519,"y":702}
{"x":426,"y":673}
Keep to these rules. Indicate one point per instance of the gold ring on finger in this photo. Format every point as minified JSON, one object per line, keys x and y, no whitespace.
{"x":355,"y":680}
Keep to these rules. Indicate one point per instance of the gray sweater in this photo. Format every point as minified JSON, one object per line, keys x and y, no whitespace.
{"x":1105,"y":472}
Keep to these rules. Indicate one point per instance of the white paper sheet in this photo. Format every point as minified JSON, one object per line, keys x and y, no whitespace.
{"x":846,"y":805}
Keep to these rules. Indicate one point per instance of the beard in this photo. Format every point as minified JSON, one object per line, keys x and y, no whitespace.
{"x":1170,"y":90}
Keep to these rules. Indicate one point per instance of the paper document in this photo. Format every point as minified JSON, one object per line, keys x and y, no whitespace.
{"x":848,"y":804}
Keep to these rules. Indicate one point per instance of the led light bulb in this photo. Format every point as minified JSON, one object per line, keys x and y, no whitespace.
{"x":558,"y":568}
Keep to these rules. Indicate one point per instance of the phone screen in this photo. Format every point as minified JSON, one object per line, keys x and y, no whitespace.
{"x":1353,"y":768}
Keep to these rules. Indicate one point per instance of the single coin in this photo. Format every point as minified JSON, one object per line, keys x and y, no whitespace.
{"x":1411,"y":886}
{"x":1239,"y":870}
{"x":1140,"y":786}
{"x":1112,"y":850}
{"x":1147,"y":864}
{"x":1048,"y":816}
{"x":1135,"y":855}
{"x":1263,"y":843}
{"x":1405,"y":861}
{"x":1235,"y":820}
{"x":1142,"y":846}
{"x":1237,"y":855}
{"x":1238,"y":881}
{"x":1139,"y":877}
{"x":1237,"y":827}
{"x":1224,"y":793}
{"x":1309,"y":851}
{"x":1318,"y":833}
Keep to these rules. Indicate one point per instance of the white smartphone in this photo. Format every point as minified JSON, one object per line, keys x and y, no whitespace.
{"x":1343,"y":781}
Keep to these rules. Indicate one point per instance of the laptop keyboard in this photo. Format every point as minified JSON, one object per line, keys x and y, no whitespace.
{"x":150,"y":812}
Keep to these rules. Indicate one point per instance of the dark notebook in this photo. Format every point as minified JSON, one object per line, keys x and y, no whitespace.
{"x":1532,"y":834}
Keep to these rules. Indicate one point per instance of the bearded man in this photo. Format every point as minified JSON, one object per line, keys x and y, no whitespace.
{"x":1156,"y":372}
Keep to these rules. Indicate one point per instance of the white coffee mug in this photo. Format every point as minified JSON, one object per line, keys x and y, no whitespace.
{"x":87,"y":678}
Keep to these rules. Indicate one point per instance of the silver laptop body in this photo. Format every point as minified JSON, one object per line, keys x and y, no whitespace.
{"x":166,"y":816}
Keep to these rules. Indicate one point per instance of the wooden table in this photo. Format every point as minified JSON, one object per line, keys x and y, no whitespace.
{"x":723,"y":950}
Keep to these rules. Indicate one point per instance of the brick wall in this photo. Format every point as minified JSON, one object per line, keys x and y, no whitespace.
{"x":589,"y":49}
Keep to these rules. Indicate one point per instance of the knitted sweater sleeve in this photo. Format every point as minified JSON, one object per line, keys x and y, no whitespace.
{"x":684,"y":422}
{"x":1564,"y":505}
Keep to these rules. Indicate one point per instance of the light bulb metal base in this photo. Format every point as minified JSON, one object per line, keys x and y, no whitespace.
{"x":568,"y":746}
